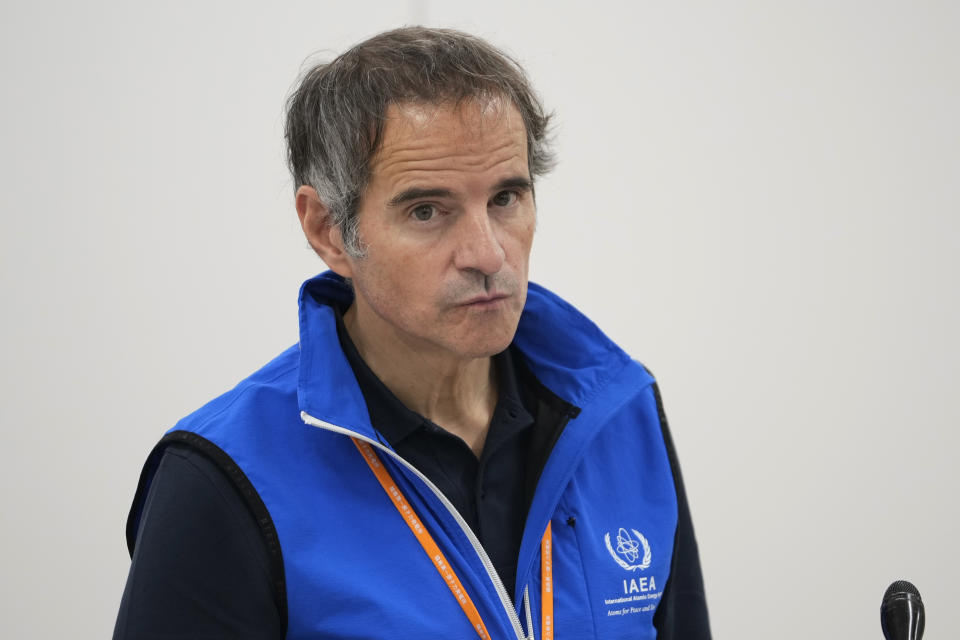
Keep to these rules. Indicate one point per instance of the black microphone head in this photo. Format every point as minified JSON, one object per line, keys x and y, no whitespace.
{"x":901,"y":612}
{"x":900,"y":586}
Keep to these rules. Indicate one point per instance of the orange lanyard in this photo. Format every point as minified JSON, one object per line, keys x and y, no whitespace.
{"x":440,"y":562}
{"x":546,"y":584}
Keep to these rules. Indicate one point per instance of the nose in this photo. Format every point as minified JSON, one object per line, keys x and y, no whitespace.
{"x":478,"y":247}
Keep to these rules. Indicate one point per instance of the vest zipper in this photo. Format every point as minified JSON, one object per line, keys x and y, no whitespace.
{"x":526,"y":606}
{"x":484,"y":558}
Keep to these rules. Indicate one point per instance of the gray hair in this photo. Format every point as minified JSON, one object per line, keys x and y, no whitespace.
{"x":335,"y":117}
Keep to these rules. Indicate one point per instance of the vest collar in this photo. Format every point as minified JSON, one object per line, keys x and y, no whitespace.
{"x":327,"y":388}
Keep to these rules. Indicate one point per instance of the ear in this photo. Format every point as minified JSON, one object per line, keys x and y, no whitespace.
{"x":322,"y":235}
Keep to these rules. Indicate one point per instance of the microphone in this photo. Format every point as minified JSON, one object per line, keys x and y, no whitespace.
{"x":901,"y":612}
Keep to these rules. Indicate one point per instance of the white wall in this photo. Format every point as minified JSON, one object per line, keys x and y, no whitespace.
{"x":757,"y":199}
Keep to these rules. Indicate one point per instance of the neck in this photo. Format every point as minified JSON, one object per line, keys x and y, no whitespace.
{"x":458,"y":394}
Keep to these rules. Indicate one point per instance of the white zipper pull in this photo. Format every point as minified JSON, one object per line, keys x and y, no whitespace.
{"x":526,"y":606}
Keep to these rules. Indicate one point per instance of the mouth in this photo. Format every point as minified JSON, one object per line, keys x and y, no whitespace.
{"x":488,"y":301}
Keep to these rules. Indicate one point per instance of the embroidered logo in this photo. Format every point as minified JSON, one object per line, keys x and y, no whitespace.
{"x":627,"y":551}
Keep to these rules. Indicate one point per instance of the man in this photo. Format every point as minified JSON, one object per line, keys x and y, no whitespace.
{"x":448,"y":451}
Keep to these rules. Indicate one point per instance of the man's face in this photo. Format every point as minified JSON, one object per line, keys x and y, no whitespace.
{"x":447,"y":222}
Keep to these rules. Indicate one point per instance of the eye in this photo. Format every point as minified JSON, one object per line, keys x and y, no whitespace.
{"x":424,"y":212}
{"x":505,"y":198}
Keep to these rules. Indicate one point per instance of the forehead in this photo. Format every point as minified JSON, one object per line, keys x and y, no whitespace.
{"x":471,"y":136}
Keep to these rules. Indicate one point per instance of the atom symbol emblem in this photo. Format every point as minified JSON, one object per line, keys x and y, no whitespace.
{"x":627,"y":546}
{"x":628,"y":549}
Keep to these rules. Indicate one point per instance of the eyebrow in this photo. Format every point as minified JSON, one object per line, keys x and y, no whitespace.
{"x":518,"y":182}
{"x":418,"y":193}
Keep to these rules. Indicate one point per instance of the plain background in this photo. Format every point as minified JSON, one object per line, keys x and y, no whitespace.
{"x":757,"y":199}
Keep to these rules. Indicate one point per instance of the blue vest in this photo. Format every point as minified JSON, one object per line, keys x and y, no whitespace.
{"x":352,"y":567}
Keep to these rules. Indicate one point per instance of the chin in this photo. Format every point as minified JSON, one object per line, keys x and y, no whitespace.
{"x":485,"y":347}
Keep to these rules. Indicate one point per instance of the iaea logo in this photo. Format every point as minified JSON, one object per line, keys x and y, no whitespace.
{"x":627,"y":550}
